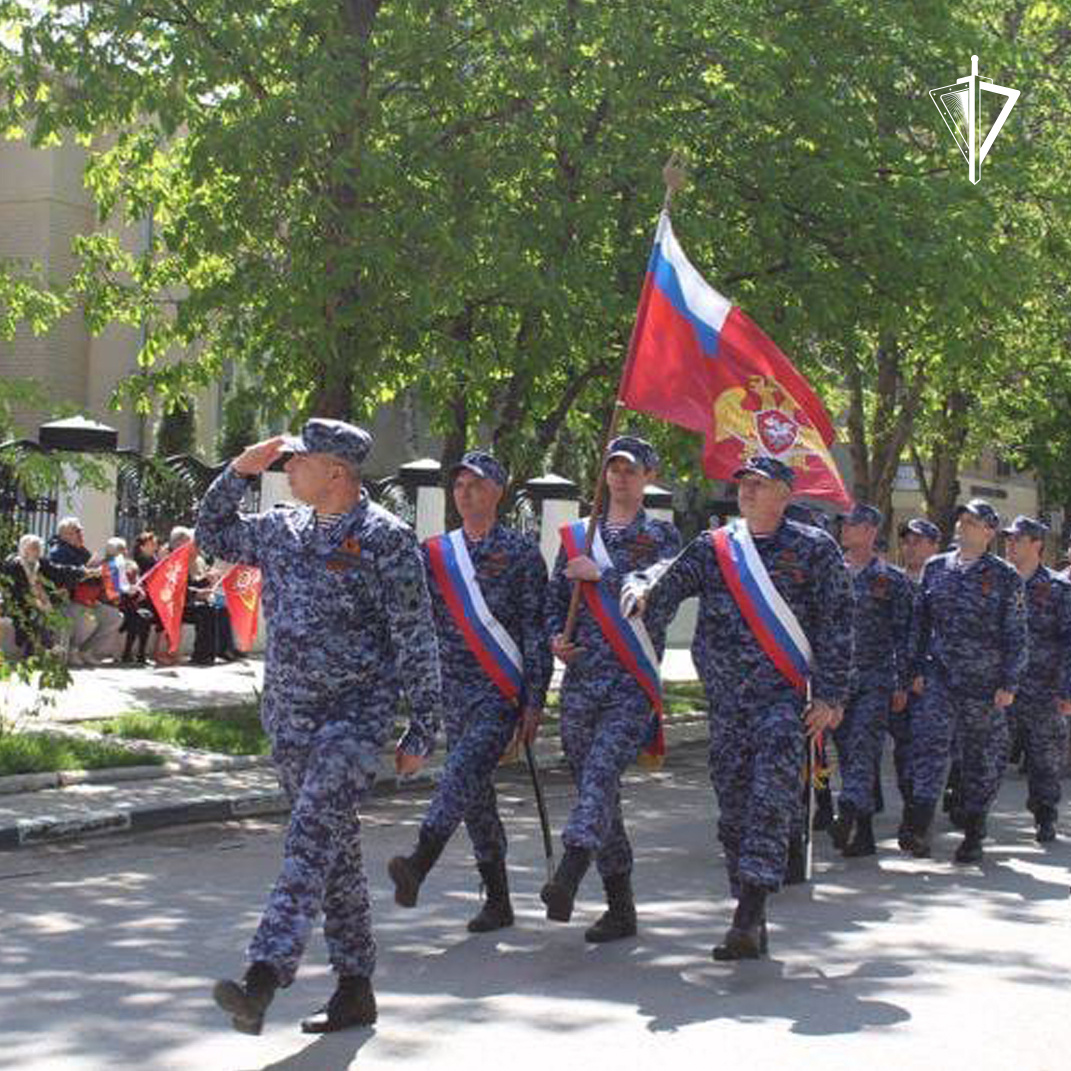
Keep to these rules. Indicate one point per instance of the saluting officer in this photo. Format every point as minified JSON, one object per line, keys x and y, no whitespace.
{"x":1043,"y":701}
{"x":881,"y":676}
{"x":488,"y":586}
{"x":969,"y":648}
{"x":757,"y":578}
{"x":349,"y":630}
{"x":606,"y":694}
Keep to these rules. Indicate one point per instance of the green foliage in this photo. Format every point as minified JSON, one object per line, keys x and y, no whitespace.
{"x":226,"y":731}
{"x":24,"y":752}
{"x":352,"y":199}
{"x":177,"y":431}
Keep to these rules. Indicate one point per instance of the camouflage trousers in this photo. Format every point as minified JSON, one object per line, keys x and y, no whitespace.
{"x":756,"y":754}
{"x":604,"y":725}
{"x":898,"y":727}
{"x":477,"y":734}
{"x":981,"y":737}
{"x":326,"y":774}
{"x":1044,"y":732}
{"x":859,"y":739}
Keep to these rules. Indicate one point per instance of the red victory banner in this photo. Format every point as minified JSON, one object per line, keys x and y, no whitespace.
{"x":241,"y":587}
{"x":165,"y":584}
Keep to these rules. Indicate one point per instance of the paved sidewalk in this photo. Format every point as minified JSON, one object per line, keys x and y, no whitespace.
{"x":115,"y":689}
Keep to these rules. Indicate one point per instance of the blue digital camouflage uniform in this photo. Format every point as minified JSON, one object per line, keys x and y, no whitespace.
{"x":605,"y":714}
{"x":969,"y":639}
{"x":479,"y":721}
{"x":899,"y":723}
{"x":881,"y":624}
{"x":757,"y":738}
{"x":1046,"y":680}
{"x":349,"y":630}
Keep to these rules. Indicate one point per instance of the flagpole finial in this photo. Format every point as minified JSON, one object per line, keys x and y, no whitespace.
{"x":674,"y":176}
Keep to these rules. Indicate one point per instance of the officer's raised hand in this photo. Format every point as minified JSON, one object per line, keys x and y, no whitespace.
{"x":254,"y":459}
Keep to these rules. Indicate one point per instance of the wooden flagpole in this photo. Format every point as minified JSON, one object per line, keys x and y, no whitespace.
{"x":674,"y":177}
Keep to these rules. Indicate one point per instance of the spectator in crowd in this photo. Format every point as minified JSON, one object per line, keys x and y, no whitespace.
{"x":211,"y":623}
{"x":28,"y":589}
{"x":94,"y":624}
{"x":119,"y":577}
{"x":146,"y":556}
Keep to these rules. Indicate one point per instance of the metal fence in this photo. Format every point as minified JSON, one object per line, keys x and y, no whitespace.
{"x":22,"y":512}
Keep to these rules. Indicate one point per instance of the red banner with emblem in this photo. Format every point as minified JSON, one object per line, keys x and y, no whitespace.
{"x":698,"y":361}
{"x":241,"y":586}
{"x":165,"y":584}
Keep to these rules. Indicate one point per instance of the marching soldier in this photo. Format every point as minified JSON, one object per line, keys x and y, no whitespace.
{"x":349,"y":629}
{"x":610,"y":686}
{"x":774,"y":624}
{"x":920,"y":540}
{"x":880,"y":677}
{"x":969,"y":649}
{"x":488,"y":586}
{"x":1044,"y":698}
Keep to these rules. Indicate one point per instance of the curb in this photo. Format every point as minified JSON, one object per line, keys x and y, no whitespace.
{"x":32,"y":832}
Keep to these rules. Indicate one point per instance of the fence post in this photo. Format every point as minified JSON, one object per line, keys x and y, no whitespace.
{"x":658,"y":502}
{"x":558,"y":502}
{"x":422,"y":481}
{"x":274,"y":487}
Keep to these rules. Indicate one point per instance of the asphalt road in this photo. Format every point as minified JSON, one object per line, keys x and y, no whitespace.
{"x":108,"y":950}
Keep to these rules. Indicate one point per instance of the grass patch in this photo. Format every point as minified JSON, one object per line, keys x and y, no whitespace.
{"x":22,"y":753}
{"x":225,"y":730}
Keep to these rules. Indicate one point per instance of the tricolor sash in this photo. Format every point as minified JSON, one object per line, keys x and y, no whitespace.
{"x":769,"y":617}
{"x":485,"y":636}
{"x":628,"y":637}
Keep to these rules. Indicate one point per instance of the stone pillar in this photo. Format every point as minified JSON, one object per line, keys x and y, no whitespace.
{"x":422,"y":481}
{"x":274,"y":488}
{"x":658,"y":502}
{"x":93,"y":506}
{"x":558,"y":502}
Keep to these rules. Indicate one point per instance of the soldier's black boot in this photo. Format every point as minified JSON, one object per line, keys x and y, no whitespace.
{"x":862,"y":843}
{"x":970,"y":850}
{"x":1045,"y":817}
{"x":408,"y":871}
{"x":921,"y":824}
{"x":841,"y":829}
{"x":746,"y":937}
{"x":903,"y":832}
{"x":497,"y":911}
{"x":796,"y":863}
{"x":560,"y":892}
{"x":619,"y":920}
{"x":352,"y":1004}
{"x":823,"y":809}
{"x":247,"y":1001}
{"x":879,"y":792}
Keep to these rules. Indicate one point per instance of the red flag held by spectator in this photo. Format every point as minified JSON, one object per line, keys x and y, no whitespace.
{"x":165,"y":584}
{"x":241,"y":586}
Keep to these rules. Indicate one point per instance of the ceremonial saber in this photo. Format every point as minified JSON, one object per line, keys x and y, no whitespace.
{"x":541,"y":806}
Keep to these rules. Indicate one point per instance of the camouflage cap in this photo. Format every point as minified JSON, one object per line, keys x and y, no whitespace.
{"x":323,"y":436}
{"x":482,"y":464}
{"x":861,"y":513}
{"x":1023,"y":525}
{"x":982,"y":510}
{"x":632,"y":448}
{"x":769,"y":467}
{"x":921,"y":527}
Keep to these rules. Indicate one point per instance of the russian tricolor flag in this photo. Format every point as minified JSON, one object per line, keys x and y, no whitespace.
{"x":698,"y":361}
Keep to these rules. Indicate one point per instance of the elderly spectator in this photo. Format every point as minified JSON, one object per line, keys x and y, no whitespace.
{"x":94,"y":624}
{"x":119,"y":576}
{"x":28,"y":589}
{"x":211,"y":623}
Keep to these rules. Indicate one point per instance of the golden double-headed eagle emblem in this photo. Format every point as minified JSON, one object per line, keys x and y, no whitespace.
{"x":773,"y":428}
